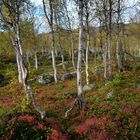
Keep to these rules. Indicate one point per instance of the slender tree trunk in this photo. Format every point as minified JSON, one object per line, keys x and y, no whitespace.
{"x":95,"y":51}
{"x":119,"y":64}
{"x":101,"y":42}
{"x":59,"y":41}
{"x":79,"y":62}
{"x":20,"y":72}
{"x":124,"y":45}
{"x":53,"y":57}
{"x":109,"y":56}
{"x":109,"y":38}
{"x":105,"y":61}
{"x":62,"y":52}
{"x":87,"y":56}
{"x":88,"y":40}
{"x":56,"y":51}
{"x":18,"y":38}
{"x":72,"y":51}
{"x":19,"y":69}
{"x":43,"y":50}
{"x":26,"y":84}
{"x":50,"y":22}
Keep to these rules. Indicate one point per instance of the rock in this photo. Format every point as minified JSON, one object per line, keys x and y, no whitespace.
{"x":45,"y":78}
{"x":2,"y":78}
{"x":68,"y":76}
{"x":56,"y":58}
{"x":109,"y":95}
{"x":88,"y":87}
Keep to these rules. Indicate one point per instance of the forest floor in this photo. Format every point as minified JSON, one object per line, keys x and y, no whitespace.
{"x":112,"y":108}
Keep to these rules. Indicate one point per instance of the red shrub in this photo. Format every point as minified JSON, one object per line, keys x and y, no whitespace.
{"x":54,"y":134}
{"x":82,"y":129}
{"x":93,"y":124}
{"x":100,"y":135}
{"x":39,"y":126}
{"x":128,"y":110}
{"x":27,"y":118}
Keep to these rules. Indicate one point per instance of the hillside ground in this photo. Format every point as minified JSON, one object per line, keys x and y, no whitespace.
{"x":112,"y":108}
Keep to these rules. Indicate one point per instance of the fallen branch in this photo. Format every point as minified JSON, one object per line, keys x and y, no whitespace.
{"x":66,"y":113}
{"x":36,"y":107}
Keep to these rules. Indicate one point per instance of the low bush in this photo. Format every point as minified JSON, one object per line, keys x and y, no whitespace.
{"x":23,"y":126}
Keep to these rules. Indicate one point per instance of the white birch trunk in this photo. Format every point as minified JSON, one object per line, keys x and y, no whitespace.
{"x":72,"y":51}
{"x":20,"y":72}
{"x":19,"y":69}
{"x":95,"y":51}
{"x":88,"y":41}
{"x":109,"y":56}
{"x":53,"y":57}
{"x":79,"y":62}
{"x":105,"y":61}
{"x":27,"y":86}
{"x":87,"y":54}
{"x":119,"y":64}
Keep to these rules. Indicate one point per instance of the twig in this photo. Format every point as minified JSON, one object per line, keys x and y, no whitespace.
{"x":66,"y":113}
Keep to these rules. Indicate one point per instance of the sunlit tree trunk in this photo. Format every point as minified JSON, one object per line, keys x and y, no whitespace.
{"x":87,"y":57}
{"x":51,"y":24}
{"x":88,"y":41}
{"x":19,"y":69}
{"x":79,"y":62}
{"x":109,"y":40}
{"x":53,"y":56}
{"x":27,"y":86}
{"x":36,"y":60}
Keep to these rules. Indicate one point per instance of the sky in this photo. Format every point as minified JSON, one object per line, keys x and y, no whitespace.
{"x":42,"y":22}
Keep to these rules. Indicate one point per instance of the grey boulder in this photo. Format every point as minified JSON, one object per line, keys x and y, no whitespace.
{"x":45,"y":78}
{"x":88,"y":87}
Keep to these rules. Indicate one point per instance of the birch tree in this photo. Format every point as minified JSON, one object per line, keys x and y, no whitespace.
{"x":88,"y":38}
{"x":109,"y":38}
{"x":10,"y":14}
{"x":79,"y":61}
{"x":118,"y":18}
{"x":57,"y":15}
{"x":68,"y":24}
{"x":50,"y":20}
{"x":10,"y":17}
{"x":105,"y":12}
